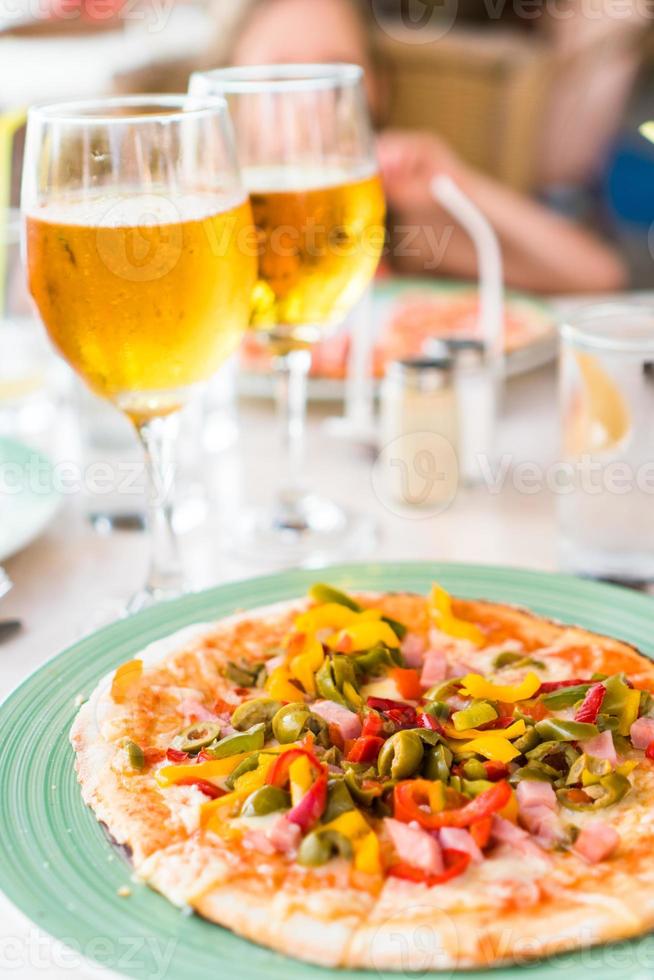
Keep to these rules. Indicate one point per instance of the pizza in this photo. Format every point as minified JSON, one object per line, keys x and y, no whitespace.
{"x":387,"y":781}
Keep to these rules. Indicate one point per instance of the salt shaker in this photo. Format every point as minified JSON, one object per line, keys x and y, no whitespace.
{"x":476,"y":386}
{"x":419,"y":430}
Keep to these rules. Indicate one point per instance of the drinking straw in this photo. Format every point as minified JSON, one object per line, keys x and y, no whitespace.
{"x":10,"y":122}
{"x":489,"y":261}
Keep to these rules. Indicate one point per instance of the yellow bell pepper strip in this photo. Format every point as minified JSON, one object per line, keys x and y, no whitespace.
{"x":629,"y":712}
{"x":510,"y":811}
{"x":256,"y":778}
{"x":351,"y":824}
{"x":439,"y":606}
{"x":212,"y":814}
{"x":306,"y":662}
{"x":513,"y":731}
{"x":363,"y":636}
{"x":365,"y":842}
{"x":215,"y":769}
{"x":280,"y":686}
{"x":366,"y":854}
{"x":476,"y":686}
{"x":330,"y":616}
{"x":491,"y":746}
{"x":126,"y":680}
{"x":301,"y":778}
{"x":171,"y":775}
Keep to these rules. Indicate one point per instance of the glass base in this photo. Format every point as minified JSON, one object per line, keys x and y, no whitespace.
{"x":149,"y":597}
{"x":304,"y":530}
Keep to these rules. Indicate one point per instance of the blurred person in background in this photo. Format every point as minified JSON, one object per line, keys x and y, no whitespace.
{"x":542,"y":251}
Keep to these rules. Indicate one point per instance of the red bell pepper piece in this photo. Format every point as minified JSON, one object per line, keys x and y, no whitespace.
{"x":373,"y":723}
{"x":345,"y":644}
{"x":481,"y":831}
{"x":547,"y":687}
{"x":428,"y":721}
{"x":589,"y":709}
{"x":152,"y":756}
{"x":411,"y":796}
{"x":535,"y":709}
{"x":402,"y":715}
{"x":214,"y":792}
{"x":407,"y":682}
{"x":649,"y":751}
{"x":312,"y":805}
{"x":176,"y":756}
{"x":365,"y":748}
{"x":456,"y":863}
{"x":278,"y":774}
{"x":385,"y":704}
{"x":335,"y":736}
{"x":495,"y":770}
{"x":223,"y":707}
{"x":496,"y":724}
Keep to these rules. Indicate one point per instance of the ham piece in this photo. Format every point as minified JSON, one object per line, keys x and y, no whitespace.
{"x":601,"y":747}
{"x":434,"y":668}
{"x":596,"y":842}
{"x":415,"y":846}
{"x":347,"y":722}
{"x":642,"y":733}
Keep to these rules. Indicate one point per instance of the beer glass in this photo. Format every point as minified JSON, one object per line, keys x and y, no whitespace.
{"x":306,"y":150}
{"x":134,"y":217}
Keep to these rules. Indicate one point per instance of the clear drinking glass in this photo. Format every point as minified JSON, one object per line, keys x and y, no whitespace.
{"x":606,"y":490}
{"x":30,"y":375}
{"x":306,"y":150}
{"x":134,"y":219}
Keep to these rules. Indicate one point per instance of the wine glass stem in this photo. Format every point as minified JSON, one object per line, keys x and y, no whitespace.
{"x":292,"y":370}
{"x":158,"y":437}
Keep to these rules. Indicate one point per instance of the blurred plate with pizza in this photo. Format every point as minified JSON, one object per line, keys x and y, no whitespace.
{"x":407,"y":313}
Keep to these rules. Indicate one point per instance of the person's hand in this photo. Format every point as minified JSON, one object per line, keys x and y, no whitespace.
{"x":408,"y":162}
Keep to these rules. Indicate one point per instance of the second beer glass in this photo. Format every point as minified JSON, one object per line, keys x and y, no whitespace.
{"x":306,"y":150}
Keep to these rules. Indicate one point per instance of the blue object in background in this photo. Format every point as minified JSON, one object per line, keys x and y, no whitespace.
{"x":629,"y":183}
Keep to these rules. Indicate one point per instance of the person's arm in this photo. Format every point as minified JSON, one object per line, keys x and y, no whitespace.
{"x":542,"y":251}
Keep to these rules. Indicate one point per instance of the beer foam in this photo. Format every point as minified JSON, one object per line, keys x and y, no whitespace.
{"x":261,"y":180}
{"x":125,"y":210}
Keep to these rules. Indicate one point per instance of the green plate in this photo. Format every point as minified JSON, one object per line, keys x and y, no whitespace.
{"x":56,"y":864}
{"x":28,"y":498}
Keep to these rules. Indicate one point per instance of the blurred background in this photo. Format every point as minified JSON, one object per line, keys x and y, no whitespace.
{"x":544,"y":97}
{"x":534,"y":108}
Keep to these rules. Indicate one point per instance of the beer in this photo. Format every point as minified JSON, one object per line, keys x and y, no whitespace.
{"x":140,"y":303}
{"x":320,"y":238}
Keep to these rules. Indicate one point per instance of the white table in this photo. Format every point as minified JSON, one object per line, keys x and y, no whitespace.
{"x":71,"y":569}
{"x":66,"y":576}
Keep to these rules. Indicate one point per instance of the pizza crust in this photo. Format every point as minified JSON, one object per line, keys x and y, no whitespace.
{"x":407,"y":927}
